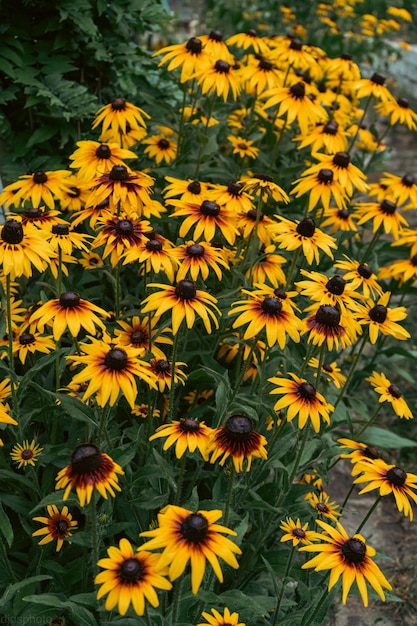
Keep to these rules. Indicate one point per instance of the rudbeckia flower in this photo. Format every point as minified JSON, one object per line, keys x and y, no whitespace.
{"x":38,"y":188}
{"x":26,"y":342}
{"x":398,"y":111}
{"x":401,"y":188}
{"x":330,"y":372}
{"x":359,"y":452}
{"x":162,"y":370}
{"x":194,"y":191}
{"x":141,"y":333}
{"x":243,"y":147}
{"x":304,"y":234}
{"x":184,"y":300}
{"x":118,"y":116}
{"x":263,"y":186}
{"x":360,"y":276}
{"x":381,"y":318}
{"x":374,"y":86}
{"x":350,"y":177}
{"x":215,"y":46}
{"x":248,"y":221}
{"x":389,"y":479}
{"x":335,"y":290}
{"x":389,"y":392}
{"x":187,"y":434}
{"x":121,"y":236}
{"x":322,"y":505}
{"x":296,"y":533}
{"x":26,"y":454}
{"x":93,"y":158}
{"x":206,"y":218}
{"x":247,"y":40}
{"x":89,"y":469}
{"x":218,"y":77}
{"x":58,"y":526}
{"x":260,"y":74}
{"x":328,"y":136}
{"x":217,"y":619}
{"x":21,"y":247}
{"x":185,"y":536}
{"x":189,"y":56}
{"x":267,"y":268}
{"x":199,"y":258}
{"x":130,"y":578}
{"x":328,"y":324}
{"x":301,"y":398}
{"x":349,"y":557}
{"x":338,"y":220}
{"x":238,"y":439}
{"x":322,"y":188}
{"x":383,"y":214}
{"x":160,"y":147}
{"x":123,"y":187}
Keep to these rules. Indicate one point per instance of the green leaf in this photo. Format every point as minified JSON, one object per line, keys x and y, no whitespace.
{"x":11,"y":590}
{"x":381,"y":438}
{"x":6,"y":527}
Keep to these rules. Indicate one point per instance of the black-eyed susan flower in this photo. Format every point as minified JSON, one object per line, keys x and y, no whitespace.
{"x":346,"y":557}
{"x":217,"y":619}
{"x":389,"y":392}
{"x":189,"y":56}
{"x":122,"y":187}
{"x":21,"y":247}
{"x":383,"y":214}
{"x":249,"y":40}
{"x":111,"y":368}
{"x":329,"y":136}
{"x":360,"y":276}
{"x":25,"y":342}
{"x":238,"y":439}
{"x":38,"y":188}
{"x":264,"y":186}
{"x":144,"y":411}
{"x":161,"y":147}
{"x":162,"y":370}
{"x":121,"y":236}
{"x":39,"y":216}
{"x":338,"y":220}
{"x":401,"y":189}
{"x":75,"y":198}
{"x":330,"y":372}
{"x":322,"y":505}
{"x":218,"y":77}
{"x":187,"y":434}
{"x":89,"y":469}
{"x":58,"y":526}
{"x":399,"y":112}
{"x":402,"y":270}
{"x":267,"y":267}
{"x":303,"y":234}
{"x":141,"y":333}
{"x":198,"y":259}
{"x":90,"y":260}
{"x":130,"y":578}
{"x":382,"y":319}
{"x":92,"y":158}
{"x":335,"y":290}
{"x":374,"y":86}
{"x":359,"y":452}
{"x":243,"y":147}
{"x":194,"y":191}
{"x":92,"y":213}
{"x":389,"y":479}
{"x":350,"y":177}
{"x":249,"y":221}
{"x":297,"y":533}
{"x":26,"y":453}
{"x":267,"y":313}
{"x":322,"y":188}
{"x":184,"y":301}
{"x":68,"y":311}
{"x":118,"y":116}
{"x":187,"y":536}
{"x":215,"y":46}
{"x":301,"y":398}
{"x":62,"y":237}
{"x":207,"y":219}
{"x":328,"y":324}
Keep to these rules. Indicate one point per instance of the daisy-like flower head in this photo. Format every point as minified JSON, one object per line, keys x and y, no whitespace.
{"x":330,"y":372}
{"x":301,"y":398}
{"x":260,"y":74}
{"x":249,"y":220}
{"x":139,"y":333}
{"x":349,"y":557}
{"x":38,"y":216}
{"x":219,"y":77}
{"x":21,"y":247}
{"x":68,"y":311}
{"x":267,"y":267}
{"x":160,"y":147}
{"x":215,"y":46}
{"x":26,"y":454}
{"x":399,"y":112}
{"x":157,"y":255}
{"x":304,"y":234}
{"x":217,"y":619}
{"x":111,"y":368}
{"x":58,"y":526}
{"x":263,"y":186}
{"x":359,"y":452}
{"x":322,"y":505}
{"x":27,"y":342}
{"x":335,"y":290}
{"x":122,"y":237}
{"x":389,"y":392}
{"x":187,"y":536}
{"x":130,"y":578}
{"x":199,"y":258}
{"x":90,"y":260}
{"x":206,"y":218}
{"x":402,"y":270}
{"x":338,"y":220}
{"x":267,"y":312}
{"x":190,"y":56}
{"x":243,"y":147}
{"x":296,"y":533}
{"x":89,"y":469}
{"x":374,"y":86}
{"x":383,"y":214}
{"x":121,"y":186}
{"x":361,"y":276}
{"x":328,"y":136}
{"x":61,"y":237}
{"x":93,"y":158}
{"x":349,"y":176}
{"x":38,"y":188}
{"x":118,"y":116}
{"x":389,"y":479}
{"x":381,"y":318}
{"x":247,"y":40}
{"x":74,"y":200}
{"x":193,"y":191}
{"x":187,"y":434}
{"x":162,"y":370}
{"x":401,"y":188}
{"x":237,"y":438}
{"x":184,"y":300}
{"x":328,"y":324}
{"x":322,"y":187}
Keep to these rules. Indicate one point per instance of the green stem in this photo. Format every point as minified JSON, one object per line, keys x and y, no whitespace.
{"x":277,"y":144}
{"x":320,"y":365}
{"x":59,"y":271}
{"x":202,"y":144}
{"x":6,"y":562}
{"x":281,"y":593}
{"x":368,"y":515}
{"x":371,"y":244}
{"x":292,"y":268}
{"x":370,"y":421}
{"x":176,"y":601}
{"x":322,"y":599}
{"x":254,"y":240}
{"x":352,"y":142}
{"x":117,"y":290}
{"x":171,"y":402}
{"x":229,"y":494}
{"x":350,"y":375}
{"x":300,"y":452}
{"x":180,"y":480}
{"x":15,"y":403}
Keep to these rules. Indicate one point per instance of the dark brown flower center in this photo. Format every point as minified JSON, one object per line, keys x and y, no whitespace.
{"x":343,"y":214}
{"x":331,"y":128}
{"x":403,"y":103}
{"x":32,"y":214}
{"x":327,"y":368}
{"x":39,"y":177}
{"x":306,"y":390}
{"x":336,"y":285}
{"x":195,"y":250}
{"x":354,"y":550}
{"x":154,"y":245}
{"x":265,"y":177}
{"x":223,"y":67}
{"x":61,"y":527}
{"x":378,"y":78}
{"x":325,"y":176}
{"x":194,"y":187}
{"x":60,"y":229}
{"x":238,"y":428}
{"x":388,"y":207}
{"x":162,"y":366}
{"x":124,"y":227}
{"x":322,"y":507}
{"x":266,"y":65}
{"x":407,"y":180}
{"x":194,"y":45}
{"x":26,"y":339}
{"x":12,"y":232}
{"x":346,"y":56}
{"x":27,"y":454}
{"x":209,"y":208}
{"x":378,"y":313}
{"x":280,"y":293}
{"x":118,"y":104}
{"x":163,"y":144}
{"x":186,"y":290}
{"x":371,"y":453}
{"x":296,"y":45}
{"x":119,"y":172}
{"x":271,"y":306}
{"x":74,"y":192}
{"x":194,"y":528}
{"x":215,"y":35}
{"x":395,"y":391}
{"x":252,"y":32}
{"x":299,"y":533}
{"x":396,"y":476}
{"x":234,"y":188}
{"x":307,"y":227}
{"x":138,"y":336}
{"x":86,"y":458}
{"x":116,"y":359}
{"x":364,"y":271}
{"x":298,"y":91}
{"x":341,"y":159}
{"x":328,"y":315}
{"x":253,"y":214}
{"x":69,"y":299}
{"x":131,"y":571}
{"x":103,"y":151}
{"x":189,"y":425}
